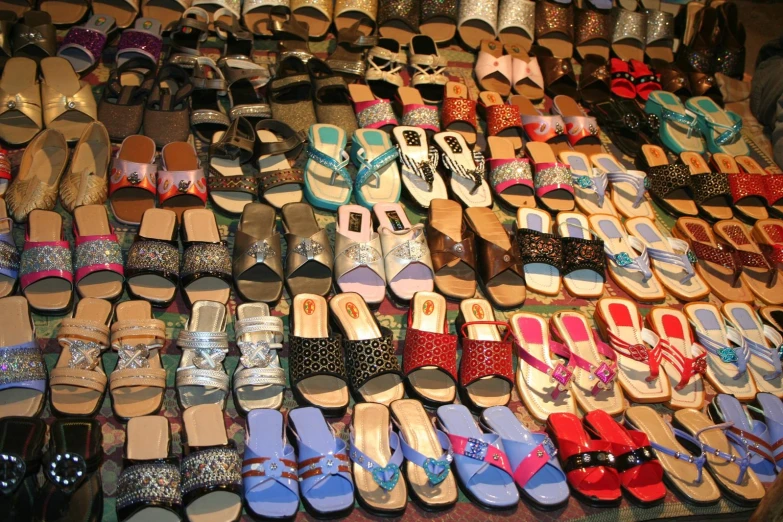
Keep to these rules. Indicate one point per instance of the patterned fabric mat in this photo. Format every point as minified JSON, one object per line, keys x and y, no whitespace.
{"x":389,"y":315}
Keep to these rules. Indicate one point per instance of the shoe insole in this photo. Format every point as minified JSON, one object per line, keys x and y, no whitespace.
{"x":158,"y":224}
{"x":92,"y":220}
{"x":454,"y":145}
{"x":123,"y":12}
{"x":63,"y":12}
{"x":742,"y":317}
{"x":258,"y":396}
{"x":439,"y":28}
{"x":58,"y":73}
{"x":200,"y":226}
{"x":623,"y":192}
{"x":539,"y":277}
{"x":488,"y":391}
{"x":384,"y":186}
{"x":398,"y":30}
{"x":208,"y":317}
{"x":587,"y":199}
{"x":49,"y":294}
{"x":129,"y":203}
{"x":181,"y":156}
{"x":147,"y":438}
{"x":322,"y":182}
{"x":311,"y":277}
{"x":168,"y":12}
{"x":517,"y":195}
{"x":16,"y":328}
{"x":230,"y":201}
{"x":355,"y":223}
{"x":583,"y":282}
{"x":456,"y":279}
{"x":259,"y":282}
{"x":279,"y":195}
{"x":559,"y":199}
{"x":429,"y":315}
{"x":19,"y":75}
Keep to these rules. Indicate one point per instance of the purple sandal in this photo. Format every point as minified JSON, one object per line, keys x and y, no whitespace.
{"x":24,"y":372}
{"x":143,"y":41}
{"x":83,"y":45}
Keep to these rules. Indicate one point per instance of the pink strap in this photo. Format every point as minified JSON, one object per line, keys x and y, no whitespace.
{"x":530,"y":465}
{"x":56,"y":263}
{"x":480,"y":450}
{"x":531,"y":70}
{"x":488,"y":64}
{"x":104,"y":255}
{"x":126,"y":174}
{"x":374,"y":114}
{"x":173,"y":183}
{"x":519,"y":174}
{"x":604,"y":373}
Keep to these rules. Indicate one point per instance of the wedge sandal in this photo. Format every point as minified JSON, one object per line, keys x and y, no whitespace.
{"x":452,"y":250}
{"x":257,"y":260}
{"x":309,"y":261}
{"x":98,"y":266}
{"x":152,"y":265}
{"x":206,"y":261}
{"x":24,"y":390}
{"x":358,"y":260}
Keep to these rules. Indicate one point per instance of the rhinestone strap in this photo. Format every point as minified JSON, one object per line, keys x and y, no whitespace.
{"x":375,"y":114}
{"x":208,"y":469}
{"x":21,"y":363}
{"x":151,"y":256}
{"x":148,"y":483}
{"x":372,"y":167}
{"x":206,"y":258}
{"x":97,"y":253}
{"x":9,"y":259}
{"x":338,"y":167}
{"x":45,"y":259}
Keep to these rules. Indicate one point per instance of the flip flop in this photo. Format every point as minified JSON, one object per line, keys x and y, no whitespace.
{"x":419,"y":166}
{"x":584,"y":261}
{"x":552,"y":179}
{"x":639,"y":350}
{"x":229,"y":188}
{"x":152,"y":266}
{"x":78,"y":381}
{"x":466,"y":171}
{"x":503,"y":119}
{"x":373,"y":370}
{"x":768,"y":408}
{"x":23,"y":392}
{"x":377,"y":177}
{"x":97,"y":256}
{"x":358,"y":262}
{"x":582,"y":131}
{"x":727,"y":355}
{"x":328,"y":184}
{"x":257,"y":266}
{"x":309,"y":259}
{"x":678,"y":129}
{"x":83,"y":44}
{"x":711,"y":190}
{"x":279,"y":145}
{"x":23,"y":443}
{"x":452,"y":249}
{"x":542,"y":390}
{"x":540,"y":251}
{"x":773,"y":316}
{"x":133,"y":181}
{"x":511,"y":177}
{"x":61,"y":82}
{"x":206,"y":262}
{"x":628,"y":187}
{"x":590,"y":185}
{"x":749,"y":191}
{"x":721,"y":129}
{"x":181,"y":182}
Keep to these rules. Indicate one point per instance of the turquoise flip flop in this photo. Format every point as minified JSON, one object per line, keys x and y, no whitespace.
{"x":378,"y":179}
{"x":328,"y":183}
{"x":679,"y":130}
{"x":721,"y":129}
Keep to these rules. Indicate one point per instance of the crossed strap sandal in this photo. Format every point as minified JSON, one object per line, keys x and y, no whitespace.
{"x":34,"y":35}
{"x":22,"y":102}
{"x":385,"y":61}
{"x":68,"y":102}
{"x":453,"y":258}
{"x":371,"y":172}
{"x":722,"y":130}
{"x":429,"y":68}
{"x":404,"y":249}
{"x":21,"y":450}
{"x":770,"y":355}
{"x":436,"y":469}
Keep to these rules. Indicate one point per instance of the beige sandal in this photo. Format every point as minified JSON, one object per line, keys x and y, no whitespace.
{"x":60,"y":82}
{"x":20,"y":114}
{"x":23,"y":391}
{"x":86,"y":182}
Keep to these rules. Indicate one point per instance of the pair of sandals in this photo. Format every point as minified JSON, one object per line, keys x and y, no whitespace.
{"x":515,"y":70}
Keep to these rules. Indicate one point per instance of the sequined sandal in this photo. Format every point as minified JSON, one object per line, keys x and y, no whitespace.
{"x":9,"y":255}
{"x":97,"y":256}
{"x":23,"y":391}
{"x":477,"y":22}
{"x":83,"y":45}
{"x":229,"y":188}
{"x":398,"y":20}
{"x":152,"y":266}
{"x":206,"y":261}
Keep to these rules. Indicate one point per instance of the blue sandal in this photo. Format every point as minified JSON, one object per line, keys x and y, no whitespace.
{"x":328,"y":184}
{"x":769,"y":408}
{"x":679,"y":130}
{"x":721,"y":129}
{"x":378,"y":179}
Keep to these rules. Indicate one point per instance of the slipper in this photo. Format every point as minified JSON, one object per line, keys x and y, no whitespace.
{"x":594,"y":384}
{"x":668,"y":184}
{"x":181,"y":181}
{"x":269,"y":468}
{"x":430,"y":352}
{"x":206,"y":262}
{"x":590,"y":185}
{"x":749,"y":192}
{"x":678,"y":129}
{"x":61,"y":82}
{"x":593,"y":480}
{"x":83,"y":44}
{"x":622,"y":79}
{"x":407,"y":260}
{"x":540,"y":251}
{"x":316,"y":364}
{"x":328,"y":185}
{"x":377,"y":177}
{"x":259,"y":379}
{"x":419,"y":166}
{"x":97,"y":256}
{"x":459,"y":112}
{"x":683,"y":471}
{"x":493,"y":68}
{"x":21,"y":117}
{"x":143,"y":41}
{"x":582,"y":131}
{"x":631,"y":271}
{"x":278,"y":145}
{"x":9,"y":255}
{"x":466,"y":170}
{"x":768,"y":408}
{"x":309,"y":259}
{"x":138,"y":382}
{"x":78,"y":381}
{"x":711,"y":190}
{"x":639,"y":350}
{"x":670,"y":260}
{"x":152,"y":266}
{"x":148,"y":453}
{"x":516,"y":24}
{"x":486,"y":373}
{"x":500,"y":272}
{"x":721,"y":129}
{"x":511,"y":177}
{"x":549,"y":128}
{"x":23,"y":443}
{"x":208,"y":494}
{"x":644,"y":79}
{"x":763,"y":342}
{"x":716,"y":262}
{"x":503,"y":119}
{"x":452,"y":249}
{"x":543,"y":381}
{"x":727,"y":355}
{"x":201,"y":374}
{"x":428,"y":457}
{"x":23,"y":391}
{"x":229,"y":188}
{"x":257,"y":266}
{"x":34,"y":35}
{"x":641,"y":475}
{"x":133,"y":181}
{"x":482,"y":468}
{"x":325,"y":482}
{"x":684,"y":361}
{"x":358,"y":262}
{"x":628,"y":187}
{"x":584,"y":261}
{"x":552,"y":179}
{"x":377,"y":455}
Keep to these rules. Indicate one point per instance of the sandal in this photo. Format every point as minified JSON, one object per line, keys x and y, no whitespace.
{"x":207,"y":115}
{"x":430,"y":352}
{"x":452,"y":249}
{"x":206,"y":261}
{"x":465,"y":168}
{"x":124,"y":12}
{"x":494,"y":69}
{"x":60,"y":82}
{"x":540,"y":251}
{"x":259,"y":379}
{"x":584,"y":262}
{"x":144,"y":41}
{"x":9,"y":255}
{"x":459,"y":112}
{"x":372,"y":112}
{"x":358,"y":261}
{"x":86,"y":181}
{"x":593,"y":28}
{"x":582,"y":131}
{"x":327,"y":182}
{"x":559,"y":75}
{"x":291,"y":95}
{"x":46,"y":270}
{"x":23,"y":392}
{"x":348,"y":15}
{"x":398,"y":20}
{"x":97,"y":259}
{"x":622,"y":80}
{"x":34,"y":35}
{"x":309,"y":261}
{"x":20,"y":112}
{"x":181,"y":182}
{"x":630,"y":30}
{"x":429,"y":68}
{"x":78,"y":381}
{"x":167,"y":112}
{"x":626,"y":124}
{"x":511,"y":177}
{"x":278,"y":146}
{"x":749,"y":186}
{"x":316,"y":364}
{"x":549,"y":128}
{"x":644,"y":79}
{"x":419,"y":165}
{"x":191,"y":29}
{"x":121,"y":108}
{"x":260,"y":16}
{"x":83,"y":45}
{"x":555,"y":28}
{"x":438,"y":20}
{"x":767,"y":407}
{"x":594,"y":81}
{"x":201,"y":373}
{"x":768,"y":233}
{"x":526,"y":78}
{"x":257,"y":260}
{"x":377,"y":177}
{"x":679,"y":131}
{"x":503,"y":119}
{"x":243,"y":77}
{"x":138,"y":382}
{"x":660,"y":36}
{"x":516,"y":23}
{"x":332,"y":99}
{"x":354,"y":35}
{"x":152,"y":266}
{"x":385,"y":62}
{"x":721,"y":129}
{"x":711,"y":190}
{"x":229,"y":188}
{"x":552,"y":179}
{"x":590,"y":185}
{"x":314,"y":14}
{"x":23,"y":443}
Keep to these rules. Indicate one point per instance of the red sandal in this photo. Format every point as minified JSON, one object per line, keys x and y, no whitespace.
{"x":644,"y":80}
{"x":622,"y":80}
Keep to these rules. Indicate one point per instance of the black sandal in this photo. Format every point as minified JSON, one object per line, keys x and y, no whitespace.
{"x":34,"y":36}
{"x":21,"y":447}
{"x":273,"y":182}
{"x":294,"y":37}
{"x":207,"y":114}
{"x":154,"y":256}
{"x":167,"y":114}
{"x":348,"y":57}
{"x":186,"y":38}
{"x":626,"y":124}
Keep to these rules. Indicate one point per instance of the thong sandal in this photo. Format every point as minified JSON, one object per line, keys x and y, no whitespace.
{"x":138,"y":382}
{"x":152,"y":266}
{"x":358,"y":260}
{"x":590,"y":185}
{"x":452,"y":249}
{"x":46,"y":269}
{"x":206,"y":261}
{"x":511,"y":177}
{"x":310,"y":260}
{"x":373,"y":370}
{"x":21,"y":117}
{"x":229,"y":188}
{"x":23,"y":443}
{"x":143,"y":41}
{"x":466,"y":170}
{"x":418,"y":165}
{"x":540,"y":251}
{"x":97,"y":258}
{"x":23,"y":392}
{"x":628,"y":187}
{"x":767,"y":408}
{"x":327,"y":182}
{"x":711,"y":190}
{"x":181,"y":181}
{"x":377,"y":177}
{"x":278,"y":145}
{"x":60,"y":82}
{"x":317,"y":364}
{"x":678,"y":129}
{"x":552,"y":179}
{"x":584,"y":261}
{"x":258,"y":266}
{"x":721,"y":129}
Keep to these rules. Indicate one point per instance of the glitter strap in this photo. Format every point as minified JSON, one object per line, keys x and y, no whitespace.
{"x":371,"y":167}
{"x":87,"y":40}
{"x":583,"y":254}
{"x":43,"y":259}
{"x":200,"y":260}
{"x":134,"y":42}
{"x":422,"y":116}
{"x":97,"y":254}
{"x":173,"y":183}
{"x":153,"y":256}
{"x":205,"y":470}
{"x":539,"y":247}
{"x":9,"y":255}
{"x":687,"y":119}
{"x":552,"y":176}
{"x":22,"y":366}
{"x":145,"y":484}
{"x":338,"y":167}
{"x":374,"y":114}
{"x":126,"y":173}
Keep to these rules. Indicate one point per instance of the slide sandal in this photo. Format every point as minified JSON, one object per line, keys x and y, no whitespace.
{"x":257,"y":266}
{"x":206,"y":262}
{"x":459,"y":112}
{"x":773,"y":316}
{"x":466,"y":171}
{"x":628,"y":187}
{"x":486,"y":372}
{"x":229,"y":188}
{"x":727,"y":355}
{"x":152,"y":266}
{"x":358,"y":261}
{"x":168,"y":12}
{"x":532,"y":456}
{"x":721,"y":129}
{"x":511,"y":177}
{"x":493,"y":71}
{"x":630,"y":271}
{"x":415,"y":113}
{"x":763,"y":343}
{"x":670,"y":185}
{"x":372,"y":112}
{"x":97,"y":256}
{"x":259,"y":379}
{"x":317,"y":364}
{"x":768,"y":234}
{"x":542,"y":390}
{"x":61,"y":82}
{"x":138,"y":382}
{"x":590,"y":185}
{"x":549,"y":128}
{"x":430,"y":353}
{"x":269,"y":468}
{"x":328,"y":185}
{"x":325,"y":483}
{"x":181,"y":182}
{"x":552,"y":179}
{"x":133,"y":181}
{"x":540,"y":251}
{"x":278,"y":146}
{"x":582,"y":130}
{"x":503,"y":119}
{"x":419,"y":166}
{"x":143,"y":41}
{"x":684,"y":361}
{"x":377,"y":455}
{"x":373,"y":369}
{"x":377,"y":177}
{"x":526,"y":74}
{"x":23,"y":391}
{"x":678,"y":127}
{"x":482,"y":468}
{"x":670,"y":260}
{"x":210,"y":493}
{"x":78,"y":381}
{"x":639,"y":350}
{"x":683,"y":472}
{"x":201,"y":375}
{"x":428,"y":457}
{"x":584,"y":261}
{"x":23,"y":442}
{"x":767,"y":407}
{"x":407,"y":259}
{"x":309,"y":259}
{"x":125,"y":12}
{"x":83,"y":44}
{"x":556,"y":29}
{"x":21,"y":120}
{"x":148,"y":454}
{"x":452,"y":249}
{"x":748,"y":185}
{"x":711,"y":190}
{"x":9,"y":254}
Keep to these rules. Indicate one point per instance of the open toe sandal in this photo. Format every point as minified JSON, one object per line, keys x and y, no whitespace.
{"x":590,"y":185}
{"x":452,"y":249}
{"x":278,"y":147}
{"x":83,"y":44}
{"x":309,"y":261}
{"x":9,"y":255}
{"x":551,"y":179}
{"x":419,"y":166}
{"x":258,"y":265}
{"x":21,"y":118}
{"x":206,"y":262}
{"x":143,"y":41}
{"x":711,"y":190}
{"x":582,"y":131}
{"x":60,"y":82}
{"x":133,"y":180}
{"x":229,"y":187}
{"x":97,"y":263}
{"x":584,"y":261}
{"x":377,"y":174}
{"x":327,"y":182}
{"x":167,"y":112}
{"x":358,"y":259}
{"x":465,"y":170}
{"x":669,"y":184}
{"x":511,"y":177}
{"x":182,"y":184}
{"x":540,"y":251}
{"x":628,"y":187}
{"x":503,"y":119}
{"x":23,"y":391}
{"x":23,"y":443}
{"x":152,"y":266}
{"x":459,"y":112}
{"x":754,"y":192}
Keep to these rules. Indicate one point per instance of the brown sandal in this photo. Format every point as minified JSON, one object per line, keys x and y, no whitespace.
{"x":348,"y":57}
{"x":451,"y":245}
{"x":229,"y":187}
